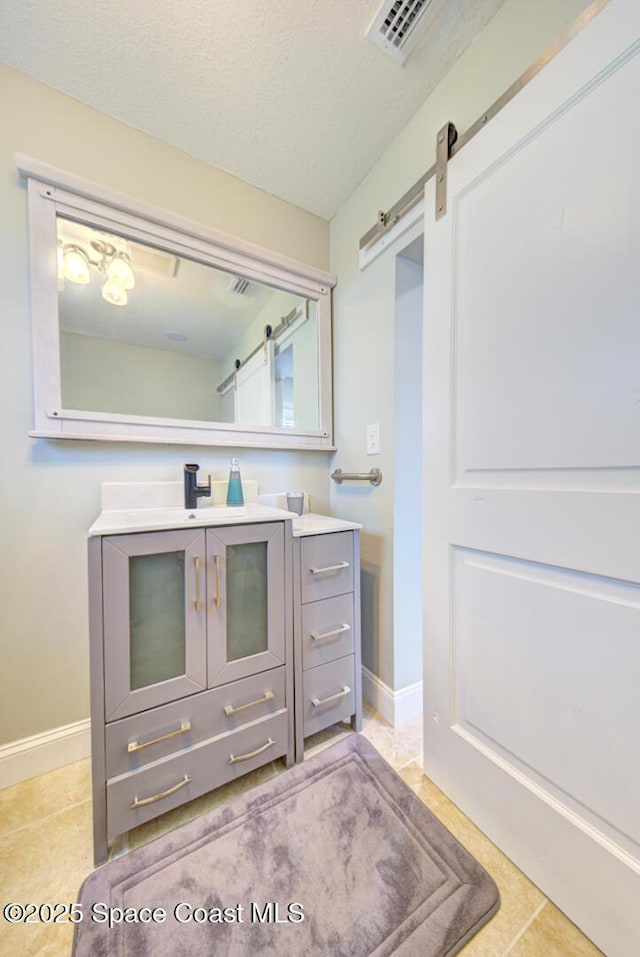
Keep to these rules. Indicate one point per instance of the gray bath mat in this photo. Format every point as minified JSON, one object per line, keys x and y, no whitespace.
{"x":336,"y":857}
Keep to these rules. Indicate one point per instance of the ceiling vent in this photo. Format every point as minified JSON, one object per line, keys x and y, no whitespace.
{"x":399,"y":25}
{"x":238,"y":285}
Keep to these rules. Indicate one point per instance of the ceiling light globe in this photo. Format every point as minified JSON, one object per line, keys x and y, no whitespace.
{"x":75,"y":265}
{"x":114,"y":294}
{"x":119,"y":271}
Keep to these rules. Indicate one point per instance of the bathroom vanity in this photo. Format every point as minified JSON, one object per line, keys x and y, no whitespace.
{"x":195,"y":675}
{"x":191,"y":656}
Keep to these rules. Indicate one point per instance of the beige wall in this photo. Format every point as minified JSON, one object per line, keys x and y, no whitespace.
{"x":50,"y":490}
{"x":364,"y":301}
{"x":110,"y":376}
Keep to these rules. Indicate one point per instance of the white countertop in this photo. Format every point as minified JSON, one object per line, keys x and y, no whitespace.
{"x":121,"y":521}
{"x":312,"y":524}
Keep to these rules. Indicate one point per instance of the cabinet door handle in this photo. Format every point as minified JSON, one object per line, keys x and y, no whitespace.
{"x":230,"y":709}
{"x":319,"y":635}
{"x":316,"y":702}
{"x":329,"y":568}
{"x":164,"y":794}
{"x":233,"y":759}
{"x":218,"y":598}
{"x":139,"y":745}
{"x":196,"y":562}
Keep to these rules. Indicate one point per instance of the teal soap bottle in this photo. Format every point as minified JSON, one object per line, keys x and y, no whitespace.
{"x":234,"y":491}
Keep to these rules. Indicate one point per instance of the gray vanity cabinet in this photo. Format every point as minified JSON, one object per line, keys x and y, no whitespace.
{"x":327,"y":632}
{"x":191,"y":665}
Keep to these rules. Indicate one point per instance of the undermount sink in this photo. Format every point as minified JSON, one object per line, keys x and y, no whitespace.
{"x":119,"y":521}
{"x":212,"y":513}
{"x":131,"y":507}
{"x":167,"y":517}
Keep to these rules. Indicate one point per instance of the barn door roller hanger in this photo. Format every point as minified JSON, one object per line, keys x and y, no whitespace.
{"x":444,"y":142}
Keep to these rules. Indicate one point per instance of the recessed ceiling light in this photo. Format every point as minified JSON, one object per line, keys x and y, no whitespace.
{"x":176,"y":336}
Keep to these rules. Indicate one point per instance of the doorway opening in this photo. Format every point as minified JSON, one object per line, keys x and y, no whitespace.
{"x":407,"y":494}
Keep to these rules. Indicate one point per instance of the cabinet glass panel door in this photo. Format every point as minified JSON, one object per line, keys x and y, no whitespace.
{"x":247,"y":583}
{"x":246,"y":600}
{"x":154,"y":619}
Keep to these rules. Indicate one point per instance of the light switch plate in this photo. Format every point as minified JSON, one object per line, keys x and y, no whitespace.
{"x":373,"y":439}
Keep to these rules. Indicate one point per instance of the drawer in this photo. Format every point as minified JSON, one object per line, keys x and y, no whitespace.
{"x":324,"y":698}
{"x":327,"y":630}
{"x":326,"y":565}
{"x":173,"y":781}
{"x":174,"y":727}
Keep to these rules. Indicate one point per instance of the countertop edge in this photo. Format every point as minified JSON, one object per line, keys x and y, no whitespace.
{"x":302,"y":526}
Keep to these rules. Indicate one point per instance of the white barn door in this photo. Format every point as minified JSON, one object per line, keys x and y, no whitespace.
{"x":254,"y":393}
{"x":532,"y":480}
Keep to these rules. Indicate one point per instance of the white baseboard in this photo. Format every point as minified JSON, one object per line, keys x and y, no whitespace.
{"x":394,"y":706}
{"x":45,"y":752}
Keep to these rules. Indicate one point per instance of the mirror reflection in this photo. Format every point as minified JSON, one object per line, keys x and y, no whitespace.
{"x":146,"y":332}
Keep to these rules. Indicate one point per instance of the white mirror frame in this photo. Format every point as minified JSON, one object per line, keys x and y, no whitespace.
{"x":53,"y":192}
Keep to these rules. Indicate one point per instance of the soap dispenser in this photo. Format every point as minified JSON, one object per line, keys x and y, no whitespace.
{"x":234,"y":491}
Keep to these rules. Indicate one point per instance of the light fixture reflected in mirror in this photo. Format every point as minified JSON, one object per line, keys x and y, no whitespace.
{"x":75,"y":265}
{"x":115,"y":264}
{"x":115,"y":294}
{"x":119,"y":271}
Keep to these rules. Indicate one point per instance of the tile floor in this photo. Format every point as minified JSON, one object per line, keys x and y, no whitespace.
{"x":46,"y":852}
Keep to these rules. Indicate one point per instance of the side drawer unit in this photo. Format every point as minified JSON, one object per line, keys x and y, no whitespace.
{"x":327,"y":633}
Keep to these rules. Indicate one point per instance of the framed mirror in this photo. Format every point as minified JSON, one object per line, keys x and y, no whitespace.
{"x":150,"y":327}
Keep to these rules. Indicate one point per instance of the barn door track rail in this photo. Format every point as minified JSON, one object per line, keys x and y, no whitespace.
{"x":448,"y":142}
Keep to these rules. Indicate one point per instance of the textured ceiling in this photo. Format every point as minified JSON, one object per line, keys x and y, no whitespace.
{"x":285,"y":94}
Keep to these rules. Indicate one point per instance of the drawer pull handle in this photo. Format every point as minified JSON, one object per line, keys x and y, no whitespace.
{"x":230,"y":709}
{"x":196,"y":562}
{"x":317,"y":702}
{"x":233,"y":759}
{"x":139,"y":745}
{"x":329,"y":568}
{"x":319,"y":635}
{"x":165,"y":794}
{"x":218,"y":598}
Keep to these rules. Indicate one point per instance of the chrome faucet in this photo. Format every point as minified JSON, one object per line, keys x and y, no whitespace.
{"x":193,"y":491}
